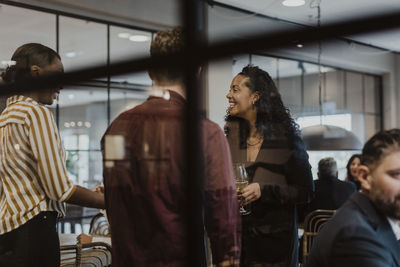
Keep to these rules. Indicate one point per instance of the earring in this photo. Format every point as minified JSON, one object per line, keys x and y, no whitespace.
{"x":253,"y":102}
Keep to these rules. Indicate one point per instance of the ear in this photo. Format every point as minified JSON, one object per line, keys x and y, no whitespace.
{"x":35,"y":70}
{"x":255,"y":96}
{"x":364,"y":176}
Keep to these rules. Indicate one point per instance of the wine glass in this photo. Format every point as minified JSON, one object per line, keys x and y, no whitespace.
{"x":242,"y":180}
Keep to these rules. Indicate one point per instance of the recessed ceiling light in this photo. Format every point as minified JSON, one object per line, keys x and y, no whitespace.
{"x":71,"y":54}
{"x":293,"y":3}
{"x":299,"y":45}
{"x":139,"y":38}
{"x":124,"y":35}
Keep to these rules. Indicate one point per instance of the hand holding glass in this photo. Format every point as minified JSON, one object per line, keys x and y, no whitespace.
{"x":242,"y":181}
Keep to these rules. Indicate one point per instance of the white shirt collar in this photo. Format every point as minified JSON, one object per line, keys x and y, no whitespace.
{"x":395,"y":224}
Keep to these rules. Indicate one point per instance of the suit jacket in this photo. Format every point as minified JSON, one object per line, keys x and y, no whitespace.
{"x":331,"y":193}
{"x":358,"y":235}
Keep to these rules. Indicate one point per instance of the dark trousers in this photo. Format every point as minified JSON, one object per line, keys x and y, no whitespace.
{"x":34,"y":244}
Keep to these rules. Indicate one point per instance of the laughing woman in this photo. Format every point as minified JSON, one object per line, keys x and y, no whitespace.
{"x":264,"y":137}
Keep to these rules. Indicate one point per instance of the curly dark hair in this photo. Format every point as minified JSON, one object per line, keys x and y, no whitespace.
{"x":168,"y":42}
{"x":273,"y":118}
{"x":379,"y":146}
{"x":26,"y":56}
{"x":349,"y":176}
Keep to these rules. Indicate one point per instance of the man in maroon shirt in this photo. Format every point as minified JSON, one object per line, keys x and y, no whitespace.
{"x":144,"y":177}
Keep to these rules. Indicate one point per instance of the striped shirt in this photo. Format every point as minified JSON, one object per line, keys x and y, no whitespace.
{"x":33,"y":175}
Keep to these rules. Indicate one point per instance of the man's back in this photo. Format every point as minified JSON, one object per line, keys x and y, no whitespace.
{"x":331,"y":193}
{"x":145,"y":192}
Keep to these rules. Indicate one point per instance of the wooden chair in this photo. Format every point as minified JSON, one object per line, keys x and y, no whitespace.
{"x":313,"y":223}
{"x":97,"y":254}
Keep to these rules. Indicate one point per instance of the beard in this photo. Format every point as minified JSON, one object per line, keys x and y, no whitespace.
{"x":384,"y":203}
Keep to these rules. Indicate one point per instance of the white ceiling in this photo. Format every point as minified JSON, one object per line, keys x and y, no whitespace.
{"x":331,"y":11}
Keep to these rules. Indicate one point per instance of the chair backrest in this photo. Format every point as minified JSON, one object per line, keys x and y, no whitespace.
{"x":97,"y":254}
{"x":99,"y":225}
{"x":313,"y":223}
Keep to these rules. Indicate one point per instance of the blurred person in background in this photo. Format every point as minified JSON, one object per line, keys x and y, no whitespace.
{"x":330,"y":192}
{"x":351,"y":168}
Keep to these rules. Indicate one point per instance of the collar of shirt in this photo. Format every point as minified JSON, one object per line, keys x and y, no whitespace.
{"x":171,"y":96}
{"x":20,"y":98}
{"x":395,"y":224}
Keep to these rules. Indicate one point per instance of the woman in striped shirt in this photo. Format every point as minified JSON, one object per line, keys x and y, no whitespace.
{"x":33,"y":178}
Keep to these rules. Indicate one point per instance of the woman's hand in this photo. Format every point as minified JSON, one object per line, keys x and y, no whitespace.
{"x":251,"y":193}
{"x":99,"y":189}
{"x":84,"y":239}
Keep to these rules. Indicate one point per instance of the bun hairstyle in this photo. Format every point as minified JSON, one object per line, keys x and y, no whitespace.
{"x":25,"y":57}
{"x":379,"y":146}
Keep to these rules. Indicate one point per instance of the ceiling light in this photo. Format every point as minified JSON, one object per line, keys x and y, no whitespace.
{"x":88,"y":124}
{"x":293,"y":3}
{"x":71,"y":54}
{"x":72,"y":124}
{"x":139,"y":38}
{"x":79,"y":123}
{"x":66,"y":125}
{"x":299,"y":45}
{"x":124,"y":35}
{"x":8,"y":62}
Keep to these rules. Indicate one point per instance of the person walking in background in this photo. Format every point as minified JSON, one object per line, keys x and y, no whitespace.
{"x":34,"y":184}
{"x":351,"y":168}
{"x":330,"y":192}
{"x":365,"y":231}
{"x":264,"y":137}
{"x":145,"y":186}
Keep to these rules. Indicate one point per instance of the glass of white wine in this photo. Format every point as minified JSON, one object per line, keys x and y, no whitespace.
{"x":242,"y":180}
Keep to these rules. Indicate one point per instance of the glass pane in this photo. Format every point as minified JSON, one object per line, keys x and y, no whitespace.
{"x":239,"y":62}
{"x":83,"y":112}
{"x":20,"y":26}
{"x":85,"y":167}
{"x":82,"y":43}
{"x":371,"y":125}
{"x":371,"y":87}
{"x":354,"y":101}
{"x":269,"y":64}
{"x":290,"y":84}
{"x":128,"y":44}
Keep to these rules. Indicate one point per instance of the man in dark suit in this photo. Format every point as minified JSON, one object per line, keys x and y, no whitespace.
{"x":365,"y":231}
{"x":330,"y":192}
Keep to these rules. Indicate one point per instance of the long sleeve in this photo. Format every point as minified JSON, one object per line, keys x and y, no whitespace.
{"x":299,"y":186}
{"x":48,"y":152}
{"x":223,"y":222}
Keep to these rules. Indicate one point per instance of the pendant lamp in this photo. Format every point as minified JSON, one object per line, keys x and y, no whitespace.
{"x":327,"y":137}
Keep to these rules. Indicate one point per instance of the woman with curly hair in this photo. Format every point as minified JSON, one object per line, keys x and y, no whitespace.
{"x":264,"y":137}
{"x":351,"y":167}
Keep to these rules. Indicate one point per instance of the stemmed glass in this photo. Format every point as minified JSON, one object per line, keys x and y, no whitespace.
{"x":242,"y":180}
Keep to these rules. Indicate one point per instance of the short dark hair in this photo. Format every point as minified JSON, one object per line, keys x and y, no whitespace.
{"x":327,"y":167}
{"x":168,"y":42}
{"x":379,"y":146}
{"x":26,"y":56}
